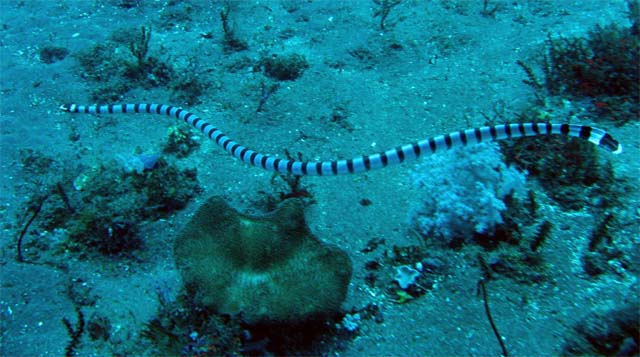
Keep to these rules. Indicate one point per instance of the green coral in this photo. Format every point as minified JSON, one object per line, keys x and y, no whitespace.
{"x":180,"y":142}
{"x":402,"y":297}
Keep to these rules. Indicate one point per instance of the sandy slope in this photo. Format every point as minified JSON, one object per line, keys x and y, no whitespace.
{"x":454,"y":66}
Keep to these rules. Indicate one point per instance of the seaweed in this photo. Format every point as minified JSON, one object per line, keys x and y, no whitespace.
{"x":75,"y":333}
{"x":600,"y":70}
{"x":601,"y":67}
{"x":265,"y":94}
{"x":287,"y":186}
{"x":490,"y":11}
{"x":533,"y":81}
{"x":568,"y":169}
{"x":601,"y":232}
{"x":116,"y":202}
{"x":166,"y":189}
{"x":384,"y":9}
{"x":35,"y":210}
{"x":284,"y":68}
{"x":482,"y":290}
{"x":187,"y":88}
{"x":102,"y":208}
{"x":99,"y":327}
{"x":60,"y":190}
{"x":182,"y":327}
{"x":602,"y":248}
{"x":52,"y":54}
{"x":541,"y":235}
{"x":99,"y":227}
{"x":146,"y":71}
{"x":97,"y":62}
{"x":139,"y":47}
{"x":513,"y":250}
{"x":35,"y":163}
{"x":230,"y":42}
{"x":115,"y":74}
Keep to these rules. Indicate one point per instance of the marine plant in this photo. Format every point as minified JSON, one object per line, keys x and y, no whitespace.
{"x":601,"y":67}
{"x":102,"y":207}
{"x":230,"y":40}
{"x":115,"y":71}
{"x":384,"y":9}
{"x":284,"y":67}
{"x":180,"y":142}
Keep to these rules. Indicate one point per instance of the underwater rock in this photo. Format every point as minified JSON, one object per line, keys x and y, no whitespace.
{"x":613,"y":332}
{"x":268,"y":268}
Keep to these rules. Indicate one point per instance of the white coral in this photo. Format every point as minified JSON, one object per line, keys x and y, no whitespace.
{"x":463,"y":191}
{"x":130,"y":163}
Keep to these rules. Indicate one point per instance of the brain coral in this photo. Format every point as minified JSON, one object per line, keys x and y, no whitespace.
{"x":267,"y":268}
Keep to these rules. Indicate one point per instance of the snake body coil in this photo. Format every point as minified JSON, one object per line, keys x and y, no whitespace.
{"x":364,"y":163}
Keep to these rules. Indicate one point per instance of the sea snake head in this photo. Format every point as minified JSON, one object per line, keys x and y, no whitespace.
{"x":611,"y":144}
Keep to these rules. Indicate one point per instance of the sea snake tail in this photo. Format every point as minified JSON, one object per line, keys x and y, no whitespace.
{"x":367,"y":162}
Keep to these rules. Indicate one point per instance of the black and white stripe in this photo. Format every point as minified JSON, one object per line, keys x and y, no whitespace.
{"x":364,"y":163}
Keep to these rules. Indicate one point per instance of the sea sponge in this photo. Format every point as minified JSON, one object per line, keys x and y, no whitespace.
{"x":268,"y":268}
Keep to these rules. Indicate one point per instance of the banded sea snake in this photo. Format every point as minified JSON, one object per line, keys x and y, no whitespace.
{"x":364,"y":163}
